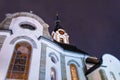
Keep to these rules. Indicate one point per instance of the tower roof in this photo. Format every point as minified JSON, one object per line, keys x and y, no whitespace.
{"x":57,"y":23}
{"x":70,"y":48}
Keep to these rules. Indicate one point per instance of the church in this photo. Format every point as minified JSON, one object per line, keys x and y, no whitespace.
{"x":29,"y":52}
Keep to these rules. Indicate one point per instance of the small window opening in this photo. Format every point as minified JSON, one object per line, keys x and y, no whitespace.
{"x":61,"y":40}
{"x":27,"y":26}
{"x":53,"y":60}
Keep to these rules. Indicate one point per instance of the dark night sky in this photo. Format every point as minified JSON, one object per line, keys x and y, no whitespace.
{"x":93,"y":25}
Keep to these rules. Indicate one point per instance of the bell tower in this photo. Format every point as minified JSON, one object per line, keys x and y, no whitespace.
{"x":59,"y":34}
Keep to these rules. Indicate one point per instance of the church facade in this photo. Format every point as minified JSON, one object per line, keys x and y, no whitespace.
{"x":29,"y":52}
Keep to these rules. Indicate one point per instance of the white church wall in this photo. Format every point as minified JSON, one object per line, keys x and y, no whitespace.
{"x":34,"y":66}
{"x":69,"y":55}
{"x":53,"y":63}
{"x":111,"y":65}
{"x":5,"y":57}
{"x":109,"y":70}
{"x":3,"y":36}
{"x":95,"y":75}
{"x":5,"y":33}
{"x":51,"y":45}
{"x":35,"y":62}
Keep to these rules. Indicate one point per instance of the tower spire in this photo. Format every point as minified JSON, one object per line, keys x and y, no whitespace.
{"x":59,"y":34}
{"x":57,"y":23}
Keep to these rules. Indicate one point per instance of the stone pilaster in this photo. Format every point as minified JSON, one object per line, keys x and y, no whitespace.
{"x":63,"y":68}
{"x":43,"y":62}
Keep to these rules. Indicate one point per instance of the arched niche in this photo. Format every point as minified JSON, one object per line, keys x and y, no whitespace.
{"x":53,"y":74}
{"x":74,"y":72}
{"x":74,"y":65}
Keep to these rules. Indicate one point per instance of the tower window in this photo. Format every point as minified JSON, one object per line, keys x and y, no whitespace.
{"x":74,"y":73}
{"x":19,"y":66}
{"x":61,"y":40}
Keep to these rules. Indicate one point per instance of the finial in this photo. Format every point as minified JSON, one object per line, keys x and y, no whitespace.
{"x":57,"y":18}
{"x":31,"y":12}
{"x":57,"y":23}
{"x":57,"y":14}
{"x":8,"y":15}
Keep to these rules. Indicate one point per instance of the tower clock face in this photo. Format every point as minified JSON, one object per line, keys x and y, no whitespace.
{"x":61,"y":32}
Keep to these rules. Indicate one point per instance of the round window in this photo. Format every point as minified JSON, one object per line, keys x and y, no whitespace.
{"x":53,"y":59}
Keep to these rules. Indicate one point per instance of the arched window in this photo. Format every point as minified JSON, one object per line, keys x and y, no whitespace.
{"x":74,"y":73}
{"x":112,"y":76}
{"x":53,"y":74}
{"x":19,"y":66}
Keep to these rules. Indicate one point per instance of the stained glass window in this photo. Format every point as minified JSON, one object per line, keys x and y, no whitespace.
{"x":19,"y":66}
{"x":74,"y":73}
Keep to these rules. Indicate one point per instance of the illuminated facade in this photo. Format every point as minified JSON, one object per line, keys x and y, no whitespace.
{"x":29,"y":52}
{"x":109,"y":70}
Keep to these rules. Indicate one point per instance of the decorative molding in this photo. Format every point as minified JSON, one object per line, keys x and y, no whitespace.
{"x":52,"y":54}
{"x":73,"y":62}
{"x":24,"y":37}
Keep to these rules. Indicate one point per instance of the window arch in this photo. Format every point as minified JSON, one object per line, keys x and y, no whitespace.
{"x":20,"y":62}
{"x":53,"y":57}
{"x":53,"y":74}
{"x":74,"y":72}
